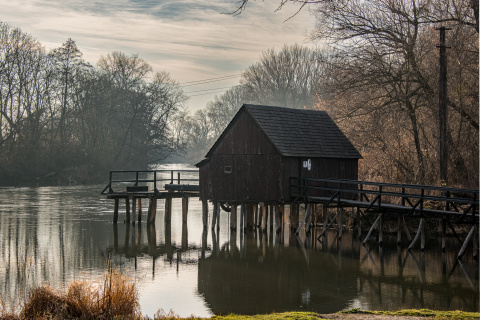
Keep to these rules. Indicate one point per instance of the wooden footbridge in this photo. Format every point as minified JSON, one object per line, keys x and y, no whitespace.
{"x":454,"y":208}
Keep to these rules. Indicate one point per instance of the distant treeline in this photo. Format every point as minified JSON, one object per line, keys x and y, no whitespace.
{"x":63,"y":120}
{"x":377,"y":78}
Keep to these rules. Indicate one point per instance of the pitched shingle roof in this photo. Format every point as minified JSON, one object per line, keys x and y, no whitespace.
{"x":300,"y":133}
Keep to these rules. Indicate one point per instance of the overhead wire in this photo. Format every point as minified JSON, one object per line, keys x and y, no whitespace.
{"x":209,"y":80}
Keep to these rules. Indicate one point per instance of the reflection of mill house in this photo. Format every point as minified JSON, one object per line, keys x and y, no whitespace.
{"x":264,"y":147}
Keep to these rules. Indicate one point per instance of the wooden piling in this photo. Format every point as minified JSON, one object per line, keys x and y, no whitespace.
{"x":264,"y":213}
{"x":127,"y":209}
{"x":278,"y":222}
{"x":152,"y":210}
{"x":340,"y":222}
{"x":205,"y":213}
{"x":399,"y":229}
{"x":233,"y":217}
{"x":115,"y":210}
{"x":134,"y":208}
{"x":371,"y":229}
{"x":380,"y":231}
{"x":272,"y":209}
{"x":168,"y":210}
{"x":325,"y":218}
{"x":184,"y":209}
{"x":359,"y":223}
{"x":139,"y":205}
{"x":444,"y":233}
{"x":214,"y":215}
{"x":242,"y":216}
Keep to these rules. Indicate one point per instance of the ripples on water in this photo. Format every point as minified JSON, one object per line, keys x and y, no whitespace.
{"x":58,"y":234}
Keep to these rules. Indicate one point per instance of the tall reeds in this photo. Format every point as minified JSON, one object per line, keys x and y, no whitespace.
{"x":114,"y":296}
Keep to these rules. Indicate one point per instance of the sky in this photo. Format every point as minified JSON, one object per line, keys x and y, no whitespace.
{"x":193,"y":40}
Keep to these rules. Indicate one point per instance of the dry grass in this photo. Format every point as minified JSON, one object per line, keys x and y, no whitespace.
{"x":111,"y":297}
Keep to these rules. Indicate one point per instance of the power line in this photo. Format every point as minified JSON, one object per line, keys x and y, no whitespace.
{"x":207,"y":90}
{"x":209,"y":80}
{"x":204,"y":94}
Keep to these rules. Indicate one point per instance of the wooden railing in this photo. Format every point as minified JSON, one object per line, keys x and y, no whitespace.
{"x":374,"y":195}
{"x":143,"y":180}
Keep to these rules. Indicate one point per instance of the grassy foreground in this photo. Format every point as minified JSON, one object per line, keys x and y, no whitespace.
{"x":116,"y":297}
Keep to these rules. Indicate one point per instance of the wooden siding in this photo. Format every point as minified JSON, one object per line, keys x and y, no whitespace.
{"x":244,"y":137}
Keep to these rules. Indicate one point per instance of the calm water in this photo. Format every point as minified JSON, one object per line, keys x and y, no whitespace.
{"x":58,"y":234}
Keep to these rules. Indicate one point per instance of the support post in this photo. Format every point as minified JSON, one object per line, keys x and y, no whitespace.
{"x":359,"y":223}
{"x":115,"y":210}
{"x":168,"y":210}
{"x":340,"y":223}
{"x":371,"y":229}
{"x":214,"y":215}
{"x":399,"y":229}
{"x":152,"y":210}
{"x":184,"y":209}
{"x":264,"y":214}
{"x":380,"y":231}
{"x":139,"y":205}
{"x":465,"y":243}
{"x":242,"y":216}
{"x":419,"y":231}
{"x":278,"y":222}
{"x":127,"y":209}
{"x":134,"y":208}
{"x":205,"y":213}
{"x":271,"y":216}
{"x":233,"y":217}
{"x":325,"y":218}
{"x":444,"y":233}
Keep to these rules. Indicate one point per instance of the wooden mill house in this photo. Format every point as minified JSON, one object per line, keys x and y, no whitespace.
{"x":265,"y":148}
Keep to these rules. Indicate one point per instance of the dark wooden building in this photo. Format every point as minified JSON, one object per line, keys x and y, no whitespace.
{"x":263,"y":147}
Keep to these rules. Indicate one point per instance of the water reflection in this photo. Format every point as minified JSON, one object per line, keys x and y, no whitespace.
{"x":58,"y":234}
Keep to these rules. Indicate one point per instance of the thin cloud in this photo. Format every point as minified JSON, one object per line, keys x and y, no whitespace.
{"x":189,"y":39}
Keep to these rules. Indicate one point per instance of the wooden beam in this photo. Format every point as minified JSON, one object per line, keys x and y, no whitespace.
{"x":371,"y":229}
{"x":419,"y":231}
{"x":168,"y":210}
{"x":215,"y":214}
{"x":465,"y":243}
{"x":184,"y":209}
{"x":127,"y":209}
{"x":139,"y":205}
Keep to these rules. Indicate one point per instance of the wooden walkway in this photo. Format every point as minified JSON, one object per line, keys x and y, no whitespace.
{"x":450,"y":207}
{"x":133,"y":186}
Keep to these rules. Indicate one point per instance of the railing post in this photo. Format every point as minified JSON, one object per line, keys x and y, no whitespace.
{"x":361,"y":192}
{"x":110,"y":190}
{"x":403,"y":196}
{"x":422,"y":194}
{"x":178,"y":173}
{"x":171,"y":177}
{"x":447,"y":203}
{"x":136,"y":178}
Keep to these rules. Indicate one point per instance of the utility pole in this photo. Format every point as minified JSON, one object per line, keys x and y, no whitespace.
{"x":442,"y":107}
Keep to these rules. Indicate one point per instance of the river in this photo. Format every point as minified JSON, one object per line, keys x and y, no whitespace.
{"x":53,"y":235}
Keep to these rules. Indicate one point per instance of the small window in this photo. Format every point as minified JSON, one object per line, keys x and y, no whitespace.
{"x":228,"y":169}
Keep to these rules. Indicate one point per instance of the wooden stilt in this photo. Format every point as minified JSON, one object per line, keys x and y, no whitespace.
{"x":242,"y":216}
{"x":272,"y":209}
{"x":325,"y":218}
{"x":205,"y":213}
{"x":139,"y":205}
{"x":184,"y":209}
{"x":380,"y":231}
{"x":340,"y":222}
{"x":278,"y":220}
{"x":168,"y":210}
{"x":218,"y":219}
{"x":214,"y":215}
{"x":475,"y":241}
{"x":294,"y":217}
{"x":399,"y":229}
{"x":359,"y":223}
{"x":127,"y":209}
{"x":444,"y":233}
{"x":152,"y":210}
{"x":304,"y":218}
{"x":264,"y":213}
{"x":134,"y":208}
{"x":419,"y":231}
{"x":115,"y":210}
{"x":422,"y":237}
{"x":256,"y":217}
{"x":465,"y":243}
{"x":310,"y":208}
{"x":371,"y":229}
{"x":233,"y":217}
